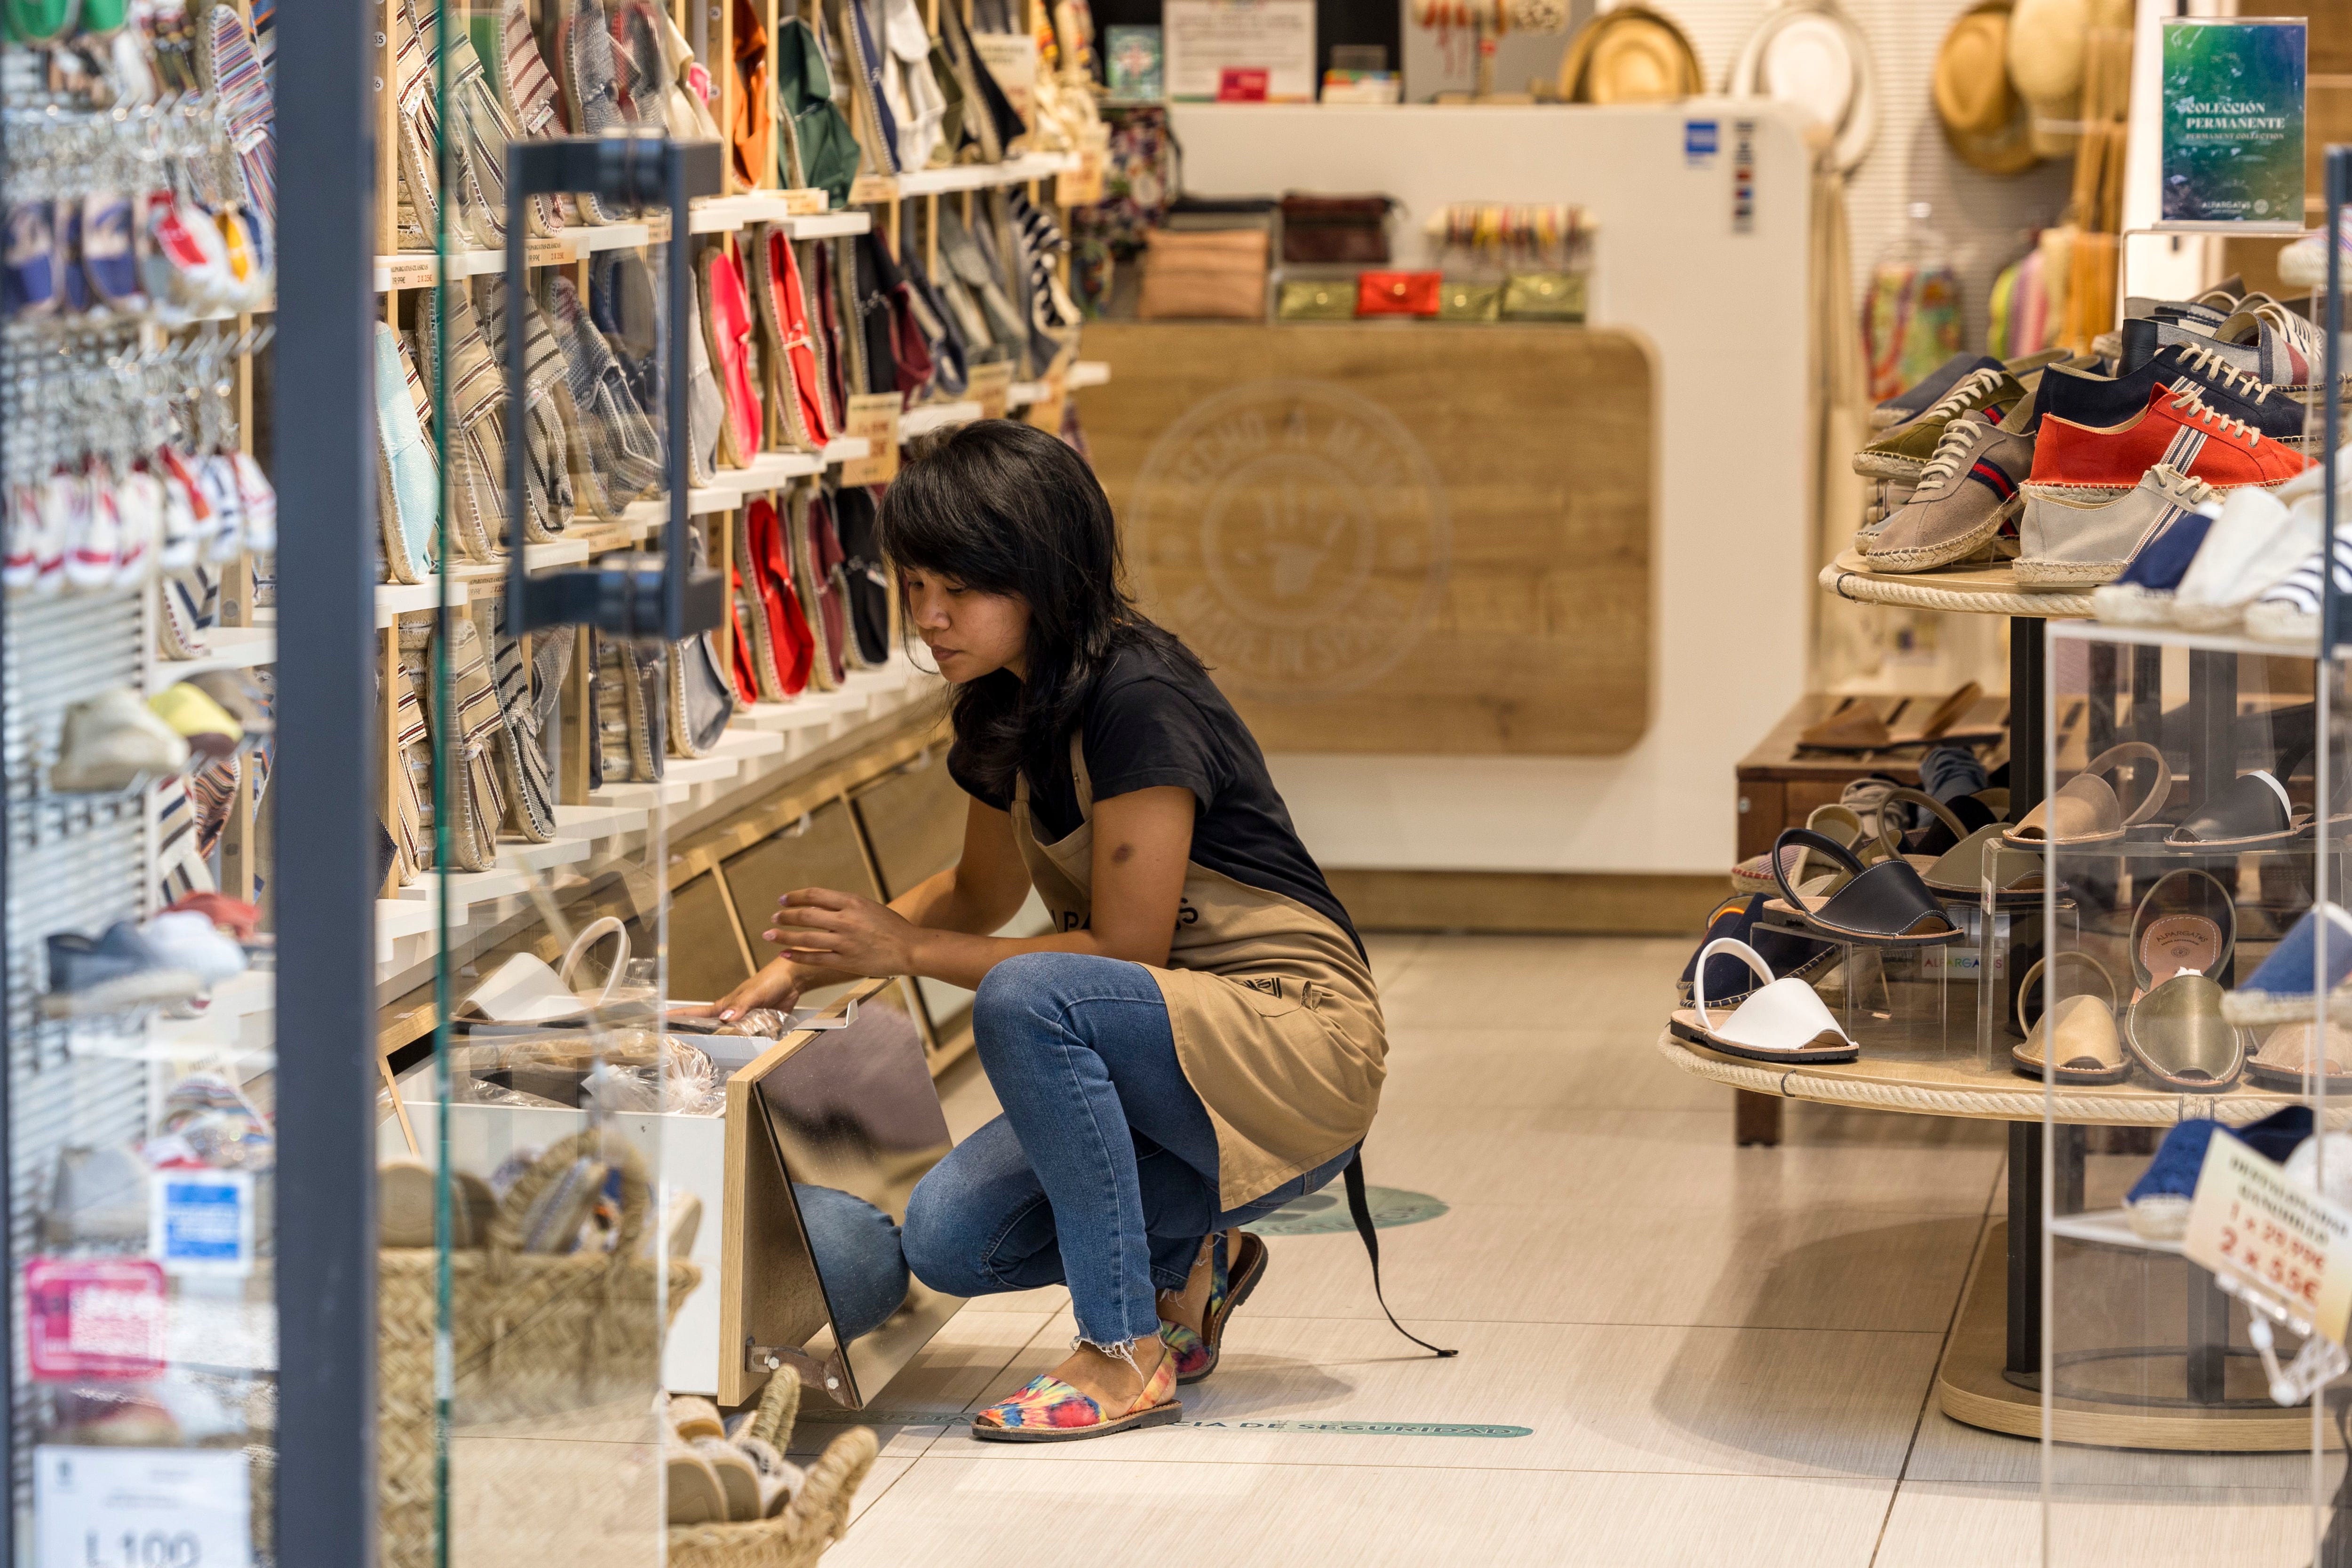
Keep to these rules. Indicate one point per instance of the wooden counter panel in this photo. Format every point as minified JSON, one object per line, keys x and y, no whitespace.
{"x":1413,"y":538}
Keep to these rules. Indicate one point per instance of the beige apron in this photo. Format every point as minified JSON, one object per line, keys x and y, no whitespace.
{"x":1276,"y":1020}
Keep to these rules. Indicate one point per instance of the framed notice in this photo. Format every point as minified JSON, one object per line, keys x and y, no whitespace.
{"x":2232,"y":125}
{"x":1251,"y":50}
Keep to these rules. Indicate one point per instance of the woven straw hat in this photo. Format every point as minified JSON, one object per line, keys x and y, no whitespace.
{"x":1983,"y":118}
{"x":1630,"y":55}
{"x":1809,"y":53}
{"x":2046,"y":41}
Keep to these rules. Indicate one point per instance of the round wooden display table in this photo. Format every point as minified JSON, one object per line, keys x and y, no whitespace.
{"x":1967,"y":590}
{"x":2103,"y":1399}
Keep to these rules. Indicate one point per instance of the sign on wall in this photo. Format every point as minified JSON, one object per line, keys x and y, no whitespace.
{"x":1251,"y":50}
{"x":2233,"y":124}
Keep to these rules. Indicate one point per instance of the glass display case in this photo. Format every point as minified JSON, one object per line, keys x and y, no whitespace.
{"x":2199,"y":795}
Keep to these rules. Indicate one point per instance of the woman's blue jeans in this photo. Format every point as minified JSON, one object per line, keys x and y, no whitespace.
{"x":1102,"y":1172}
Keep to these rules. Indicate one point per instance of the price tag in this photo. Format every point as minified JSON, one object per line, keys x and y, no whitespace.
{"x":990,"y":387}
{"x":142,"y":1508}
{"x":805,"y":202}
{"x":657,"y":228}
{"x":875,"y":417}
{"x":870,"y":188}
{"x":200,"y":1220}
{"x":1045,"y":414}
{"x":100,"y":1318}
{"x":547,"y":252}
{"x":1012,"y":59}
{"x":1083,"y":187}
{"x":2271,"y":1239}
{"x":410,"y":272}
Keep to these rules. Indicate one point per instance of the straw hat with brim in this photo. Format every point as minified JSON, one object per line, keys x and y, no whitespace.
{"x":1983,"y":118}
{"x":1630,"y":55}
{"x":1807,"y":53}
{"x":2046,"y":39}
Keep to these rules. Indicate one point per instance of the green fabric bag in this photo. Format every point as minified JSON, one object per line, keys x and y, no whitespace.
{"x":1544,"y":297}
{"x":1315,"y":300}
{"x":1470,"y":301}
{"x":821,"y":132}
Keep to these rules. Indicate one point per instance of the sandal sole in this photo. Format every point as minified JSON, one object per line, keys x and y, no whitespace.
{"x":1235,"y":1295}
{"x":1158,"y":1415}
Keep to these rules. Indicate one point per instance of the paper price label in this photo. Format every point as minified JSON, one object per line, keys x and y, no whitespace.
{"x":2271,"y":1239}
{"x":875,"y":417}
{"x":550,"y":252}
{"x":805,"y":202}
{"x":657,"y":228}
{"x":141,"y":1508}
{"x":410,"y":272}
{"x":990,"y":387}
{"x":870,"y":188}
{"x":1083,"y":187}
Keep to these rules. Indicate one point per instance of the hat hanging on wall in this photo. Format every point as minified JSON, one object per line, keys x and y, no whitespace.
{"x":1984,"y":119}
{"x":1630,"y":55}
{"x":1807,"y":52}
{"x":2046,"y":42}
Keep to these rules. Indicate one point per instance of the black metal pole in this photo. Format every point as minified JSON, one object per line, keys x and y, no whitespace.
{"x":2339,"y":192}
{"x":324,"y":795}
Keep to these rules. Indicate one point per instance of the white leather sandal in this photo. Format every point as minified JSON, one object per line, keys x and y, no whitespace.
{"x":1784,"y":1021}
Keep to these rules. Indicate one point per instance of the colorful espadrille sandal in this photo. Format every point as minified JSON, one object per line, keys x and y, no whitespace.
{"x":1196,"y":1354}
{"x":1050,"y":1411}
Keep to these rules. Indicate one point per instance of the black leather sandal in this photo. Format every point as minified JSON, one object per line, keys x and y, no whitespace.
{"x":1886,"y":905}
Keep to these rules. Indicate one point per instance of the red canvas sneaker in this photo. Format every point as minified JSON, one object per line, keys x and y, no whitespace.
{"x":2177,"y":427}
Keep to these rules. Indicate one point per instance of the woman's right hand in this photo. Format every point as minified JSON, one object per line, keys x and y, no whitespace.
{"x":778,"y":985}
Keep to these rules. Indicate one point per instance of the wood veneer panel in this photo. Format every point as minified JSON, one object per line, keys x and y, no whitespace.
{"x":1393,"y":537}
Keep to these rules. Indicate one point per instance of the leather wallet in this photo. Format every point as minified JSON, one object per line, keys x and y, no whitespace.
{"x":1397,"y":293}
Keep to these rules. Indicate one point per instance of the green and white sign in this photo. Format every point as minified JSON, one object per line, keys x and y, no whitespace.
{"x":2232,"y":131}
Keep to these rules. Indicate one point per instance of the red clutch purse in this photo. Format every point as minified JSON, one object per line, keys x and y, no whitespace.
{"x":1397,"y":293}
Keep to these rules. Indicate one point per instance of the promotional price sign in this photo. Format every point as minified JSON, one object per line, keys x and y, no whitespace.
{"x":97,"y":1318}
{"x":2271,"y":1237}
{"x":142,"y":1508}
{"x":2232,"y":125}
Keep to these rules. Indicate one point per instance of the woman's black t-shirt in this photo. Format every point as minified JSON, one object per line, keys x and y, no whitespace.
{"x":1161,"y":721}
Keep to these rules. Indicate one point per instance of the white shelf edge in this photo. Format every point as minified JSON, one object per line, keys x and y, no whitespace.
{"x":229,"y":648}
{"x":933,"y":416}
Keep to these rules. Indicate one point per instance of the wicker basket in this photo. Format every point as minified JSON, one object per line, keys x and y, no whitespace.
{"x":814,"y":1519}
{"x":536,"y":1336}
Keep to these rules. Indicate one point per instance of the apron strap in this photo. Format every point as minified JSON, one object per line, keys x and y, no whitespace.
{"x":1359,"y":1207}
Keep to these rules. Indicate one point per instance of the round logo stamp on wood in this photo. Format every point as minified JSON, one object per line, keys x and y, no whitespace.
{"x":1296,"y":534}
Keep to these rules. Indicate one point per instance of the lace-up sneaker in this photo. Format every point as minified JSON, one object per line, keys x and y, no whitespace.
{"x":1966,"y":491}
{"x":2073,"y":540}
{"x":2288,"y":350}
{"x":2086,"y":397}
{"x":1904,"y":452}
{"x":2177,"y":428}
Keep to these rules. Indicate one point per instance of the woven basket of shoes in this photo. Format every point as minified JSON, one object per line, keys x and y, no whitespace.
{"x":783,"y":1517}
{"x":552,"y":1318}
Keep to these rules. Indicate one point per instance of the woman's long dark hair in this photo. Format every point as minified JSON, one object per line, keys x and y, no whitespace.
{"x":1006,"y":508}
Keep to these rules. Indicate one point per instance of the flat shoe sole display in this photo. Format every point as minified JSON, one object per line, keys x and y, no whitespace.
{"x":1828,"y":1055}
{"x":1158,"y":1415}
{"x":2034,"y":573}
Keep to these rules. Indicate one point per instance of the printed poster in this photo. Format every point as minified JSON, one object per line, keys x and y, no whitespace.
{"x":2232,"y":131}
{"x":1245,"y":51}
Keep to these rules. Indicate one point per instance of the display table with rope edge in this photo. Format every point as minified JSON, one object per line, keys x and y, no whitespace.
{"x":1989,"y":1373}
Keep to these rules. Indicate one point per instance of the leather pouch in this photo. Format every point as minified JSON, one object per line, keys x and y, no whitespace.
{"x":1219,"y":276}
{"x":1315,"y":300}
{"x":1397,"y":293}
{"x":1544,"y":297}
{"x":1336,"y":229}
{"x":1469,"y":301}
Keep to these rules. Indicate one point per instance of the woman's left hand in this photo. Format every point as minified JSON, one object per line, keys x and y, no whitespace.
{"x":821,"y":927}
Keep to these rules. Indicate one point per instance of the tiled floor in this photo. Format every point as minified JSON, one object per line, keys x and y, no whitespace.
{"x":1723,"y":1356}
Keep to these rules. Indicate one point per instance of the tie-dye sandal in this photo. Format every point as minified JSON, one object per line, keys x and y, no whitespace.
{"x":1050,"y":1411}
{"x":1194,"y":1353}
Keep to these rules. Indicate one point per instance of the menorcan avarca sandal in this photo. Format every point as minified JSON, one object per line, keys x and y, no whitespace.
{"x":1196,"y":1353}
{"x":1049,"y":1410}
